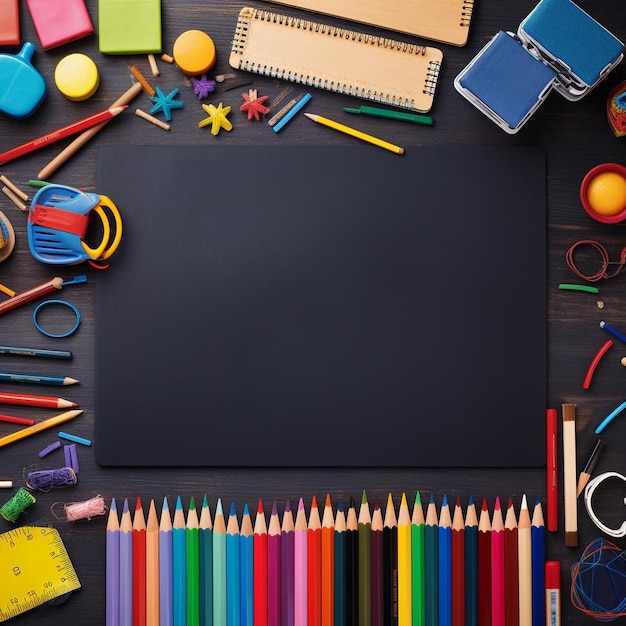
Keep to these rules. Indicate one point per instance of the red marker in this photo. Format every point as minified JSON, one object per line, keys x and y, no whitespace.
{"x":552,"y":471}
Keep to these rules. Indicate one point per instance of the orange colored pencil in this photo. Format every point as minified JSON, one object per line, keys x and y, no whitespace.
{"x":260,"y":567}
{"x":458,"y":566}
{"x":139,"y":566}
{"x":314,"y":566}
{"x":152,"y":566}
{"x":328,"y":564}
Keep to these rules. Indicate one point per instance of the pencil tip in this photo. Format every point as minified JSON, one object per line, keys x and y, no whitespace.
{"x":314,"y":502}
{"x":218,"y":509}
{"x":246,"y":510}
{"x":113,"y":506}
{"x":300,"y":504}
{"x":389,"y":499}
{"x":340,"y":506}
{"x":418,"y":498}
{"x":138,"y":505}
{"x":233,"y":511}
{"x":125,"y":509}
{"x":403,"y":501}
{"x":287,"y":507}
{"x":497,"y":504}
{"x":259,"y":508}
{"x":485,"y":507}
{"x":166,"y":506}
{"x":274,"y":508}
{"x":327,"y":503}
{"x":179,"y":503}
{"x":470,"y":501}
{"x":205,"y":501}
{"x":364,"y":497}
{"x":444,"y":502}
{"x":524,"y":502}
{"x":192,"y":504}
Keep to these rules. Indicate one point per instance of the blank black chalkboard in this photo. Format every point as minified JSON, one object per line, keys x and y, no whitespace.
{"x":323,"y":306}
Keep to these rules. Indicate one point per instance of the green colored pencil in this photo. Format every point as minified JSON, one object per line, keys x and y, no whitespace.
{"x":417,"y":563}
{"x":193,"y":566}
{"x":365,"y":563}
{"x":391,"y":114}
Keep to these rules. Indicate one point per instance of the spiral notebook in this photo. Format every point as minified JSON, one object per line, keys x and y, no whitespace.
{"x":382,"y":70}
{"x":323,"y":305}
{"x":447,"y":21}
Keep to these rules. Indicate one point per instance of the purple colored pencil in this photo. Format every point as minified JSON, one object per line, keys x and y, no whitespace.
{"x":126,"y":568}
{"x":287,"y":567}
{"x":166,"y":608}
{"x":273,"y":567}
{"x":113,"y":567}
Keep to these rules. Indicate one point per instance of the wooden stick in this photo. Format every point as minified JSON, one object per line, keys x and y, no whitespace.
{"x":84,"y":137}
{"x":11,"y":196}
{"x":153,"y":65}
{"x":13,"y":188}
{"x":154,"y":120}
{"x":569,"y":475}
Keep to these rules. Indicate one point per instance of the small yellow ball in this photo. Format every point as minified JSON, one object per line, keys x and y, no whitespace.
{"x":607,"y":193}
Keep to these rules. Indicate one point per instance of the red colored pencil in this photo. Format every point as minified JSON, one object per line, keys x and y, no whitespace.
{"x":511,"y":567}
{"x":328,"y":564}
{"x":17,"y":420}
{"x":552,"y":471}
{"x":61,"y":133}
{"x":273,"y":567}
{"x":46,"y":402}
{"x":314,"y":566}
{"x":259,"y":550}
{"x":139,"y":566}
{"x":484,"y":566}
{"x":497,"y":567}
{"x":458,"y":566}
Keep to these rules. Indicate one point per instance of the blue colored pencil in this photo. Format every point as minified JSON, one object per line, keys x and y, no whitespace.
{"x":179,"y":566}
{"x":233,"y":568}
{"x":286,"y":567}
{"x":205,"y":538}
{"x":471,"y":564}
{"x":538,"y":557}
{"x":431,"y":564}
{"x":445,"y":564}
{"x":246,"y":554}
{"x":219,"y":566}
{"x":126,"y":567}
{"x":113,"y":567}
{"x":37,"y":379}
{"x":166,"y":612}
{"x":340,"y":565}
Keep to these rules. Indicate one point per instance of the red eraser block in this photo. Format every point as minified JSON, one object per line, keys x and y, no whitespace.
{"x":9,"y":23}
{"x":60,"y":21}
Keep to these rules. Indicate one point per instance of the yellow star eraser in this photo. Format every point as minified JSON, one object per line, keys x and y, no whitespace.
{"x":76,"y":76}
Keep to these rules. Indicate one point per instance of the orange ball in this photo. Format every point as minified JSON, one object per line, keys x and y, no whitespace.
{"x":194,"y":52}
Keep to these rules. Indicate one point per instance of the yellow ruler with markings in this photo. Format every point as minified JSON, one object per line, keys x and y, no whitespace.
{"x":34,"y":568}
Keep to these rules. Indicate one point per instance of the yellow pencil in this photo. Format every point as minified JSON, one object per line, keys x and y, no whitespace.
{"x":405,"y":610}
{"x":35,"y":428}
{"x":355,"y":133}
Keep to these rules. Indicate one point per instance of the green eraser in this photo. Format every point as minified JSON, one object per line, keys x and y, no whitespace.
{"x":129,"y":26}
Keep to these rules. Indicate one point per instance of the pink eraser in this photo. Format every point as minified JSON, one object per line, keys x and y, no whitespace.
{"x":9,"y":23}
{"x":60,"y":21}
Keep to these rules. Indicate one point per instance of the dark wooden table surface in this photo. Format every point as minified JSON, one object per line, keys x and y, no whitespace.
{"x":575,"y":137}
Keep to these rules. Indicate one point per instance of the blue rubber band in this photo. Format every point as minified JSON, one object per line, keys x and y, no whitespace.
{"x":56,"y":335}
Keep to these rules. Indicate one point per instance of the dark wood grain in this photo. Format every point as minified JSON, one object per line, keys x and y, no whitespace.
{"x":574,"y":136}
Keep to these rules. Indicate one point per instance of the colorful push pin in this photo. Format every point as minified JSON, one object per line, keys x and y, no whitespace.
{"x":203,"y":86}
{"x":76,"y":76}
{"x":253,"y":105}
{"x":194,"y":52}
{"x":217,"y":118}
{"x":616,"y":109}
{"x":22,"y":88}
{"x":164,"y":104}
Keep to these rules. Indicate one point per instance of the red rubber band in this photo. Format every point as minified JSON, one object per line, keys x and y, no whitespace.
{"x":594,"y":363}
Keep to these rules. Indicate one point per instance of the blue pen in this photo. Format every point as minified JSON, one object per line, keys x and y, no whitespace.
{"x":298,"y":106}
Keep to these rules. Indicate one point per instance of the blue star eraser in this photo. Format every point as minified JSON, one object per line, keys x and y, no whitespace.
{"x":22,"y":87}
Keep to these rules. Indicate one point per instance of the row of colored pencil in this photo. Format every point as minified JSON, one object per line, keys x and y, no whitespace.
{"x":357,"y":567}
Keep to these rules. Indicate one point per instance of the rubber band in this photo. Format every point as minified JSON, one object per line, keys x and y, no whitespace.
{"x":609,"y":418}
{"x":57,"y":335}
{"x":589,"y":489}
{"x":594,"y":363}
{"x":605,"y":261}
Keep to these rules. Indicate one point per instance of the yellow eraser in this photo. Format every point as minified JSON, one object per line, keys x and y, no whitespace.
{"x":76,"y":76}
{"x":194,"y":52}
{"x":607,"y":193}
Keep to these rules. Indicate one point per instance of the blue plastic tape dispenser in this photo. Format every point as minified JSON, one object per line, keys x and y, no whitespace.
{"x":57,"y":225}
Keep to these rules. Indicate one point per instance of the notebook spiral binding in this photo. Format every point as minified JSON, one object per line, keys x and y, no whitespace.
{"x":432,"y":75}
{"x":466,"y":13}
{"x":326,"y":29}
